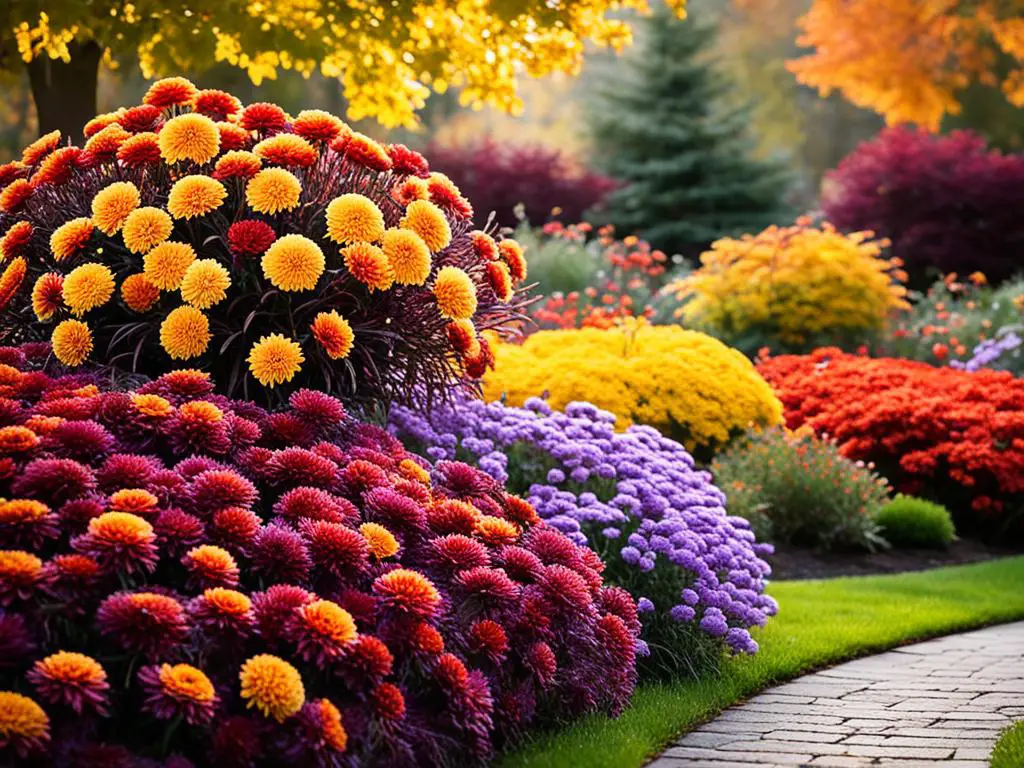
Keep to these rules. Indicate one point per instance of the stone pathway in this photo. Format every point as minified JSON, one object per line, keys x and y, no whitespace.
{"x":938,"y":703}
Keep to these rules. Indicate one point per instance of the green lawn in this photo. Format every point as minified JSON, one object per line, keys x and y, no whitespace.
{"x":819,"y":623}
{"x":1009,"y":751}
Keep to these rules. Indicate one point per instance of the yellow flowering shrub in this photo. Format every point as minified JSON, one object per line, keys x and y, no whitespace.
{"x":791,"y":287}
{"x":687,"y":384}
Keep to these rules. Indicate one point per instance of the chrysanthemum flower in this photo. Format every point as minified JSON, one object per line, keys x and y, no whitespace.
{"x":250,"y":237}
{"x":199,"y":426}
{"x":47,"y":296}
{"x":368,"y":264}
{"x":185,"y":333}
{"x":56,"y":168}
{"x":11,"y":280}
{"x":455,"y":294}
{"x":112,"y":204}
{"x":102,"y":146}
{"x":101,"y":121}
{"x":451,"y":672}
{"x":381,"y":541}
{"x":273,"y":190}
{"x":120,"y":541}
{"x":407,"y":161}
{"x":152,"y":405}
{"x":334,"y":334}
{"x":85,"y":441}
{"x":234,"y":528}
{"x":520,"y":511}
{"x":205,"y":283}
{"x":540,"y":659}
{"x":17,"y":439}
{"x":512,"y":253}
{"x":275,"y":359}
{"x":217,"y":105}
{"x":353,"y":218}
{"x":217,"y":488}
{"x":145,"y":228}
{"x":193,"y":196}
{"x":143,"y":622}
{"x":11,"y":171}
{"x":429,"y":222}
{"x":72,"y":578}
{"x":488,"y":637}
{"x":305,"y":503}
{"x":317,"y":736}
{"x":210,"y":566}
{"x":14,"y":195}
{"x":70,"y":237}
{"x":15,"y":239}
{"x":140,"y":119}
{"x":225,"y":614}
{"x":180,"y":690}
{"x":88,"y":286}
{"x":237,"y":164}
{"x":53,"y":481}
{"x":488,"y":584}
{"x":138,"y":293}
{"x":388,"y":702}
{"x":409,"y":190}
{"x":40,"y":148}
{"x":444,"y":193}
{"x":72,"y":342}
{"x":264,"y":117}
{"x":364,"y":151}
{"x":20,"y":574}
{"x":189,"y":137}
{"x":335,"y":548}
{"x":410,"y":470}
{"x":500,"y":280}
{"x":408,"y":255}
{"x":170,"y":92}
{"x":318,"y":126}
{"x":166,"y":264}
{"x":293,"y":263}
{"x":275,"y":606}
{"x":73,"y":679}
{"x":409,"y":592}
{"x":317,"y":408}
{"x":322,"y":630}
{"x":273,"y":686}
{"x":177,"y":532}
{"x":135,"y":501}
{"x":496,"y":531}
{"x":281,"y":556}
{"x":463,"y":338}
{"x":368,"y":660}
{"x":140,"y":150}
{"x":286,"y":149}
{"x":24,"y":726}
{"x":233,"y":137}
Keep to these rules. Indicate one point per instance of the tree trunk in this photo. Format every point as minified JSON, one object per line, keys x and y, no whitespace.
{"x":65,"y":93}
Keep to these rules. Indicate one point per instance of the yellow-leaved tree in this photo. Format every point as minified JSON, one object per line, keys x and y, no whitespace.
{"x":386,"y":53}
{"x":912,"y":60}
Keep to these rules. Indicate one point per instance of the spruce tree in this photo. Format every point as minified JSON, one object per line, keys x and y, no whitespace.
{"x":660,"y":126}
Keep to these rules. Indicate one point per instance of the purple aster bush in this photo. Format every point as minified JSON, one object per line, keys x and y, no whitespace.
{"x":1004,"y":352}
{"x":637,"y":499}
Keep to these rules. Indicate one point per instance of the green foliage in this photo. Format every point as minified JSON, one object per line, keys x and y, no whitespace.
{"x":660,"y":124}
{"x":907,"y":521}
{"x":1009,"y":750}
{"x":798,"y":489}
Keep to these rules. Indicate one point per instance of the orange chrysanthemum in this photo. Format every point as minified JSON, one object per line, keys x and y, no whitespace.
{"x":189,"y":137}
{"x":286,"y":149}
{"x":500,"y":280}
{"x":409,"y":190}
{"x":185,"y":333}
{"x":353,"y":218}
{"x":138,"y":293}
{"x":429,"y":222}
{"x":88,"y":286}
{"x":140,"y":150}
{"x":512,"y":253}
{"x":273,"y":686}
{"x":293,"y":263}
{"x":228,"y":602}
{"x":233,"y":136}
{"x":14,"y":195}
{"x":381,"y":541}
{"x":368,"y":264}
{"x":408,"y":255}
{"x":145,"y":228}
{"x":17,"y":439}
{"x":275,"y":359}
{"x":166,"y":264}
{"x":194,"y":196}
{"x":43,"y":425}
{"x":273,"y":190}
{"x":101,"y":121}
{"x":211,"y":566}
{"x":463,"y":338}
{"x":201,"y":411}
{"x":104,"y":145}
{"x":410,"y":470}
{"x":444,"y":192}
{"x":330,"y":620}
{"x":112,"y":204}
{"x":15,"y":239}
{"x":408,"y":591}
{"x":170,"y":92}
{"x":206,"y":283}
{"x":455,"y":293}
{"x":484,"y":246}
{"x":11,"y":279}
{"x":40,"y":148}
{"x":496,"y":531}
{"x":318,"y":126}
{"x":136,"y":501}
{"x":70,"y":237}
{"x":57,"y":167}
{"x":334,"y":334}
{"x":363,"y":150}
{"x":23,"y":723}
{"x":47,"y":295}
{"x":72,"y":342}
{"x":122,"y":527}
{"x":237,"y":164}
{"x":332,"y":730}
{"x":71,"y":678}
{"x":152,"y":405}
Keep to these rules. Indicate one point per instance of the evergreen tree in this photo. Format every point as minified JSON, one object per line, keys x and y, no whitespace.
{"x":661,"y":127}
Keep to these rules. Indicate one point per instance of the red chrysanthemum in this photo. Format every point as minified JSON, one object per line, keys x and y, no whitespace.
{"x":489,"y":638}
{"x":336,"y":549}
{"x":364,"y":151}
{"x":14,"y":195}
{"x":26,"y":523}
{"x":57,"y":168}
{"x":553,"y":547}
{"x":317,"y":126}
{"x":453,"y":516}
{"x":194,"y":466}
{"x":233,"y":137}
{"x":120,"y":542}
{"x":263,"y":117}
{"x":280,"y":556}
{"x":445,"y":194}
{"x":217,"y":105}
{"x":224,"y":615}
{"x":15,"y":239}
{"x":500,"y":280}
{"x":73,"y":680}
{"x":407,"y":161}
{"x":210,"y":566}
{"x":298,"y":466}
{"x":426,"y":639}
{"x":273,"y":608}
{"x":287,"y":429}
{"x":72,"y":579}
{"x":180,"y":386}
{"x":540,"y":659}
{"x":85,"y":441}
{"x":219,"y":488}
{"x":512,"y":253}
{"x":408,"y":592}
{"x":451,"y":673}
{"x":170,"y":92}
{"x":11,"y":171}
{"x":388,"y":702}
{"x":140,"y":119}
{"x":143,"y":622}
{"x":286,"y":149}
{"x":360,"y":476}
{"x":237,"y":165}
{"x":234,"y":528}
{"x":458,"y":553}
{"x":487,"y":584}
{"x":76,"y":514}
{"x":619,"y":602}
{"x":566,"y":588}
{"x":175,"y":691}
{"x":40,"y":148}
{"x":140,"y":150}
{"x":305,"y":503}
{"x":177,"y":531}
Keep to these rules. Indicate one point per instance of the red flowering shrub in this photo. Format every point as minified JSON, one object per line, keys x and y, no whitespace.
{"x":947,"y":203}
{"x":299,"y":590}
{"x":951,"y":435}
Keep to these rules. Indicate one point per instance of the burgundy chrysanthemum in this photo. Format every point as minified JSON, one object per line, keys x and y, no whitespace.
{"x":362,"y":606}
{"x":553,"y":547}
{"x":196,"y":428}
{"x":53,"y":481}
{"x":408,"y":161}
{"x":565,"y":588}
{"x":223,"y":614}
{"x":360,"y":476}
{"x":393,"y":510}
{"x":368,"y":660}
{"x":305,"y":503}
{"x":167,"y":485}
{"x":264,"y":117}
{"x":72,"y":579}
{"x":287,"y":429}
{"x":143,"y":622}
{"x":462,"y":481}
{"x":293,"y":467}
{"x":250,"y":237}
{"x":73,"y":680}
{"x":332,"y":453}
{"x":234,"y":528}
{"x":388,"y":703}
{"x":126,"y":470}
{"x":180,"y":386}
{"x":180,"y":690}
{"x":459,"y":553}
{"x":540,"y":659}
{"x":177,"y":531}
{"x":218,"y":488}
{"x":120,"y":542}
{"x":317,"y":408}
{"x":272,"y":609}
{"x":255,"y":462}
{"x":236,"y":743}
{"x":194,"y":466}
{"x":217,"y":105}
{"x":242,"y":432}
{"x":487,"y":584}
{"x":336,"y":549}
{"x":280,"y":556}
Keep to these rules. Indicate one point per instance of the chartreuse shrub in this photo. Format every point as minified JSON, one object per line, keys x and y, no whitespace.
{"x":906,"y":521}
{"x":185,"y":576}
{"x":1009,"y":750}
{"x":797,"y":489}
{"x":686,"y":384}
{"x":792,"y":288}
{"x":275,"y":252}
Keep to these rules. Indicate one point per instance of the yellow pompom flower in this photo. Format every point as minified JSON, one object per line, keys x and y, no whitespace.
{"x":47,"y":295}
{"x":112,"y":205}
{"x":455,"y":294}
{"x":23,"y":724}
{"x":72,"y":342}
{"x":408,"y":254}
{"x":428,"y":221}
{"x":138,"y":293}
{"x":87,"y":287}
{"x":193,"y":196}
{"x":334,"y":334}
{"x":70,"y":237}
{"x":293,"y":263}
{"x":165,"y":265}
{"x":353,"y":218}
{"x":273,"y":190}
{"x":273,"y":686}
{"x":275,"y":359}
{"x":205,"y":283}
{"x":381,"y":541}
{"x":189,"y":137}
{"x":145,"y":228}
{"x":185,"y":333}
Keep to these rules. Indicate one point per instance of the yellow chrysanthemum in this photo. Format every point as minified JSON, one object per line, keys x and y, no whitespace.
{"x":151,"y":405}
{"x":138,"y":293}
{"x":273,"y":190}
{"x":408,"y":254}
{"x":293,"y":263}
{"x":194,"y":196}
{"x":273,"y":686}
{"x":112,"y":204}
{"x":47,"y":295}
{"x":353,"y":218}
{"x":334,"y":334}
{"x":72,"y":342}
{"x":145,"y":228}
{"x":428,"y":221}
{"x":166,"y":264}
{"x":21,"y":719}
{"x":185,"y":333}
{"x":189,"y":137}
{"x":381,"y":541}
{"x":275,"y":359}
{"x":87,"y":287}
{"x":455,"y":294}
{"x":206,"y":283}
{"x":70,"y":237}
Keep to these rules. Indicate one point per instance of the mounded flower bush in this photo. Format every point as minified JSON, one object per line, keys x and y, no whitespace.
{"x":273,"y":251}
{"x":636,"y":498}
{"x":186,"y":577}
{"x":954,"y":436}
{"x":686,"y":384}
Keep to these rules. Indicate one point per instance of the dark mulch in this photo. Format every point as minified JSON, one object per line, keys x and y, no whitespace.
{"x":790,"y":562}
